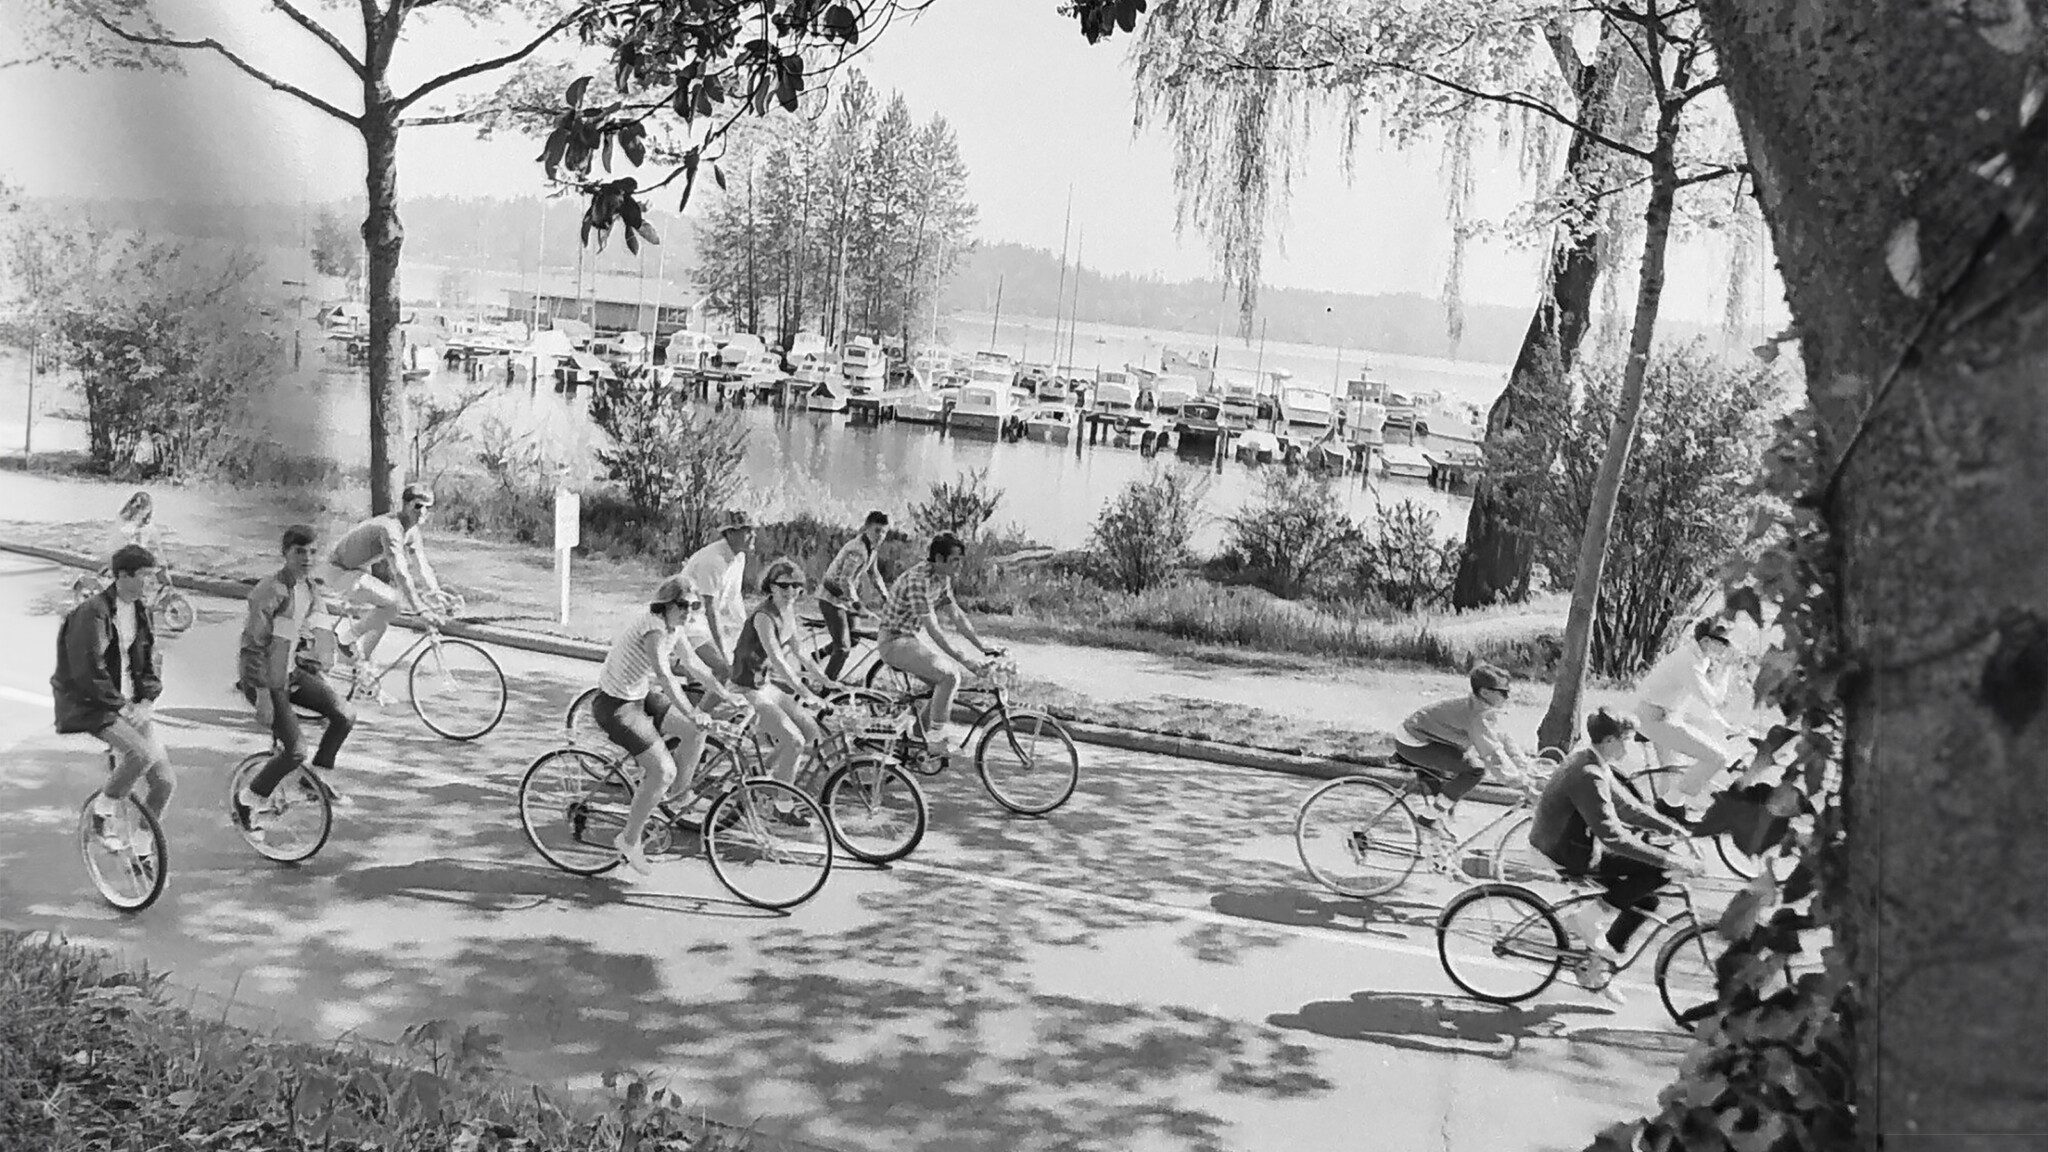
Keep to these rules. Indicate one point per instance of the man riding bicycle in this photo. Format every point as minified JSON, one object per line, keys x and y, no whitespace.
{"x":640,"y":703}
{"x":107,"y":682}
{"x":1452,"y":742}
{"x":1584,"y":823}
{"x":346,"y":572}
{"x":274,"y":676}
{"x":839,"y":599}
{"x":913,"y":610}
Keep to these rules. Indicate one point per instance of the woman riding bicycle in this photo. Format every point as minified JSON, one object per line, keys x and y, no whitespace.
{"x":1584,"y":824}
{"x":639,"y":702}
{"x":763,"y":657}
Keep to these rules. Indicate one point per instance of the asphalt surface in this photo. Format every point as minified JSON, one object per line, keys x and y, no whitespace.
{"x":1148,"y":968}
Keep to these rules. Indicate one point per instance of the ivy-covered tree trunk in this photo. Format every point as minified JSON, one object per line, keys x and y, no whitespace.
{"x":1499,"y":543}
{"x":1901,"y":158}
{"x":1560,"y":722}
{"x":383,"y":241}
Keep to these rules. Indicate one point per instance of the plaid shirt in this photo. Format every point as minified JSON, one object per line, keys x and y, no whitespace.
{"x":854,"y":560}
{"x":917,"y":595}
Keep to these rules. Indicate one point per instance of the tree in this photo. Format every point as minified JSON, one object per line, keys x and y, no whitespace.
{"x":337,"y":249}
{"x":1142,"y":534}
{"x":59,"y":34}
{"x":1902,"y":162}
{"x":1294,"y":530}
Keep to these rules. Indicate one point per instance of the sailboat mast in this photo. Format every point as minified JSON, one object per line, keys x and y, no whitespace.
{"x":1060,"y":299}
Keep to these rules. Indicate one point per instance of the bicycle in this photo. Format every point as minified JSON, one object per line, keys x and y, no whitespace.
{"x":1654,"y":785}
{"x":302,"y":810}
{"x":1031,"y":771}
{"x":1509,"y":930}
{"x":861,"y":659}
{"x":127,"y":879}
{"x":171,"y":612}
{"x":456,"y":685}
{"x":1358,"y":838}
{"x":766,"y":841}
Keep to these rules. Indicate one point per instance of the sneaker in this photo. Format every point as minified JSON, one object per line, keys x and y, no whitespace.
{"x":1587,"y":923}
{"x":1595,"y":973}
{"x":792,"y":817}
{"x":106,"y":819}
{"x":634,"y":854}
{"x":324,"y":778}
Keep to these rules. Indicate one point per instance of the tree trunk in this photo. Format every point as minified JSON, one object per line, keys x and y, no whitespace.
{"x":1887,"y":150}
{"x":1500,"y":544}
{"x":1560,"y":723}
{"x":383,"y":241}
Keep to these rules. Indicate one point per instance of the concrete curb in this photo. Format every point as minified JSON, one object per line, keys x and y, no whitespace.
{"x":1127,"y":739}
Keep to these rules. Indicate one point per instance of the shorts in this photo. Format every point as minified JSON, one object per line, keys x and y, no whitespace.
{"x":634,"y":725}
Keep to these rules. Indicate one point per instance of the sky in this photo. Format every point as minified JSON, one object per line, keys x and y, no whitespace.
{"x":1037,"y":111}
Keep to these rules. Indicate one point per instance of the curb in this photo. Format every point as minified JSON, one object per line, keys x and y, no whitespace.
{"x":1127,"y":739}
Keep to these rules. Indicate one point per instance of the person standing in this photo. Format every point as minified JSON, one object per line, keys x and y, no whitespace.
{"x":717,"y":573}
{"x":107,"y":682}
{"x":839,"y":598}
{"x":273,"y":679}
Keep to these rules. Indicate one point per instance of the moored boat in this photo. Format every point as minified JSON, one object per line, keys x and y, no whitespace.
{"x":1050,"y":424}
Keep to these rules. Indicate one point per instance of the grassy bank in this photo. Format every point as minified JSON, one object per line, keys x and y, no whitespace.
{"x":94,"y":1056}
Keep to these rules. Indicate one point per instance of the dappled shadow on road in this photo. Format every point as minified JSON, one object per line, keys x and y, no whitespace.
{"x":1303,"y":905}
{"x":1436,"y":1023}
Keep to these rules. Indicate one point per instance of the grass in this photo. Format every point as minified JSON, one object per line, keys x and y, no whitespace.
{"x":94,"y":1056}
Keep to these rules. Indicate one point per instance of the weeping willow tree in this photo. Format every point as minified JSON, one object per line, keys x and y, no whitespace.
{"x":1238,"y":86}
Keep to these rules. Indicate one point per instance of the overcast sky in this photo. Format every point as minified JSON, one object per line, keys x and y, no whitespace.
{"x":1036,"y":110}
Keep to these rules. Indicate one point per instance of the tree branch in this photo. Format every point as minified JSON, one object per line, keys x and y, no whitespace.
{"x":1519,"y":100}
{"x":210,"y":44}
{"x":436,"y":119}
{"x":320,"y":30}
{"x":1714,"y":173}
{"x":495,"y":63}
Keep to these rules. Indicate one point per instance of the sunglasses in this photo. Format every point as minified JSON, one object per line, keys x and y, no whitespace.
{"x":796,"y":584}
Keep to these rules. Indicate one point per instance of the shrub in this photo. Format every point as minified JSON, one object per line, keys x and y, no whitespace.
{"x":437,"y":422}
{"x":1141,"y":538}
{"x":962,"y":506}
{"x":1684,"y":502}
{"x":1405,"y":564}
{"x":672,"y":461}
{"x":1293,"y":532}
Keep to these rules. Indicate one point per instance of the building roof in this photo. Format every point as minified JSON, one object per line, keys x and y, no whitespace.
{"x":614,"y":288}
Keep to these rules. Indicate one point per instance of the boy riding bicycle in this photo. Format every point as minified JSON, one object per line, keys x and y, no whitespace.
{"x":1451,"y":743}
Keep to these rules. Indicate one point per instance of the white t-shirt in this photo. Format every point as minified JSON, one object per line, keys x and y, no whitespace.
{"x":126,"y":625}
{"x":716,"y":573}
{"x":627,"y":673}
{"x":1682,"y":682}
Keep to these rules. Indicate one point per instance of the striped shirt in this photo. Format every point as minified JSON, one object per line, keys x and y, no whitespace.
{"x":627,"y":672}
{"x":915,"y":597}
{"x":855,"y":559}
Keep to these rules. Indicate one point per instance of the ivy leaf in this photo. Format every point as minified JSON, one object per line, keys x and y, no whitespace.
{"x":839,"y":21}
{"x":1745,"y":601}
{"x":1740,"y":917}
{"x":577,"y":88}
{"x":647,"y":233}
{"x":718,"y":174}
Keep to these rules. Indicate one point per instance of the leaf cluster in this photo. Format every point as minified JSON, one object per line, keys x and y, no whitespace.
{"x":1142,"y":535}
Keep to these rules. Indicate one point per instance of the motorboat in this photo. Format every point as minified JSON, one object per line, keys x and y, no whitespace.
{"x":1240,"y":400}
{"x":690,"y":351}
{"x":822,"y":393}
{"x":1404,"y":462}
{"x":741,"y":350}
{"x":1197,"y":424}
{"x":931,"y":364}
{"x":1169,"y":393}
{"x":1451,"y":420}
{"x":1194,"y":365}
{"x":986,"y":400}
{"x":1115,"y":395}
{"x":1034,"y":377}
{"x":1256,"y":446}
{"x":917,"y":405}
{"x":1306,"y":406}
{"x":1050,"y":423}
{"x":1051,"y":389}
{"x":863,"y":366}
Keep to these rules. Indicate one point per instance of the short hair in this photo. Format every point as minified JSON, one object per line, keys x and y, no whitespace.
{"x":138,"y":507}
{"x":1711,"y":628}
{"x":130,"y":559}
{"x":783,"y":568}
{"x":299,"y":534}
{"x":945,"y":546}
{"x":1604,"y":724}
{"x":878,"y":517}
{"x":1484,"y":676}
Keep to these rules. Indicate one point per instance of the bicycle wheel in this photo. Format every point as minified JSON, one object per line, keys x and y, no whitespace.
{"x":886,"y":677}
{"x":1500,"y":942}
{"x":174,"y":613}
{"x":572,"y":806}
{"x":1686,"y":975}
{"x":125,"y":853}
{"x":877,"y":812}
{"x":1654,"y":785}
{"x":1028,"y":762}
{"x":457,"y":688}
{"x":1747,"y":867}
{"x":303,"y":818}
{"x":1515,"y":860}
{"x":768,"y":843}
{"x":1357,"y":837}
{"x":578,"y":722}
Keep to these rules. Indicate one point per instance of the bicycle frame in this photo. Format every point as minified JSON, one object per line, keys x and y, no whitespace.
{"x":1654,"y":929}
{"x":1461,"y":845}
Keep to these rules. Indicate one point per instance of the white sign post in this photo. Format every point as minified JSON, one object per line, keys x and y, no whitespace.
{"x":568,"y":533}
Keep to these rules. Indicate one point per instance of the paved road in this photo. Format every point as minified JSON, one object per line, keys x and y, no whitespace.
{"x":1148,"y":969}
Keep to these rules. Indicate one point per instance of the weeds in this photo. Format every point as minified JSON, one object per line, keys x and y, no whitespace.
{"x":93,"y":1057}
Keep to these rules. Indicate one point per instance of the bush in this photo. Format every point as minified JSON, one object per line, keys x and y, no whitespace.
{"x":962,"y":506}
{"x":1406,"y":565}
{"x":1685,"y":501}
{"x":676,"y":464}
{"x":1293,"y":533}
{"x":1141,"y":538}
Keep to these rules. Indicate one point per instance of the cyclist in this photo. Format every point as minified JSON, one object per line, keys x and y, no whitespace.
{"x":136,"y":524}
{"x":1453,"y":742}
{"x":912,"y":611}
{"x":1585,"y":821}
{"x":273,"y":676}
{"x":640,"y":702}
{"x":107,"y":682}
{"x":1689,"y":684}
{"x":346,"y":572}
{"x":716,"y":573}
{"x":839,"y":600}
{"x":762,"y":658}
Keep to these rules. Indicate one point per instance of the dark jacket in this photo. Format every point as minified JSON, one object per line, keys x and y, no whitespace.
{"x":270,"y":604}
{"x":90,"y":665}
{"x":1583,"y":805}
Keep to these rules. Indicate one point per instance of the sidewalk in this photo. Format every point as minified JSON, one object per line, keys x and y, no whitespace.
{"x":1284,"y":705}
